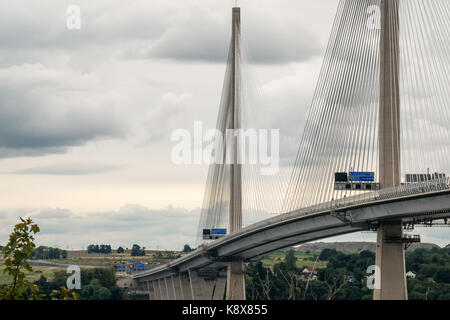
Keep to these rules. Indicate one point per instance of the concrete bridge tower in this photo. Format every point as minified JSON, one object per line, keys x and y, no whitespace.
{"x":235,"y":273}
{"x":390,"y":255}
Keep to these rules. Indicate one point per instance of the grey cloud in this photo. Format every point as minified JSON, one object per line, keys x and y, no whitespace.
{"x":52,"y":214}
{"x":39,"y":114}
{"x":204,"y":37}
{"x":71,"y":169}
{"x":30,"y":152}
{"x":168,"y":228}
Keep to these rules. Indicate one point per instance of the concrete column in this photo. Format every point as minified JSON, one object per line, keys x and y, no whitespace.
{"x":185,"y":286}
{"x":167,"y":288}
{"x":170,"y":289}
{"x":163,"y":288}
{"x":219,"y":290}
{"x":158,"y":294}
{"x":148,"y":289}
{"x":178,"y":295}
{"x":235,"y":275}
{"x":201,"y":289}
{"x":196,"y":284}
{"x":208,"y":289}
{"x":390,"y":257}
{"x":235,"y":281}
{"x":152,"y":290}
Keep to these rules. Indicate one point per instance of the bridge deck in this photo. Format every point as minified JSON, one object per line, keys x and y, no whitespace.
{"x":406,"y":203}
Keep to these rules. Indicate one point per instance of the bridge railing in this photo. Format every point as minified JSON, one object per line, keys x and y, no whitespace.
{"x":383,"y":194}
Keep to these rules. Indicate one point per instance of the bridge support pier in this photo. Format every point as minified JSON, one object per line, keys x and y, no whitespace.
{"x":390,"y":259}
{"x":158,"y":294}
{"x":170,"y":289}
{"x":185,"y":287}
{"x":178,"y":295}
{"x":201,"y":289}
{"x":151,"y":290}
{"x":235,"y":281}
{"x":390,"y":255}
{"x":219,"y":289}
{"x":163,"y":288}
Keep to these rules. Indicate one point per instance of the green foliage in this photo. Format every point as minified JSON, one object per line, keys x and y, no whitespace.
{"x":16,"y":252}
{"x":327,"y":254}
{"x":96,"y":284}
{"x":43,"y":252}
{"x":120,"y":250}
{"x":187,"y":248}
{"x":95,"y":248}
{"x":345,"y":277}
{"x":291,"y":260}
{"x":137,"y":251}
{"x":64,"y":294}
{"x":101,"y":285}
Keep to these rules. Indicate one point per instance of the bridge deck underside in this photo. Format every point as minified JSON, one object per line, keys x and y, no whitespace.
{"x":280,"y":232}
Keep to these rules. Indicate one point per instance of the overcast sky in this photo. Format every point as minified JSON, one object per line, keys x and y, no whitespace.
{"x":86,"y":115}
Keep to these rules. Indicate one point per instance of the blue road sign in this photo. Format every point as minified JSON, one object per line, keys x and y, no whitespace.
{"x":219,"y":231}
{"x":361,"y":176}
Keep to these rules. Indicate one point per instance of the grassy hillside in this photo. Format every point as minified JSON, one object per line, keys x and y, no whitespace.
{"x":303,"y":260}
{"x":48,"y":272}
{"x":354,"y":247}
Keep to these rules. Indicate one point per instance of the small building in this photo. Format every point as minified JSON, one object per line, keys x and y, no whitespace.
{"x":308,"y":274}
{"x":410,"y":274}
{"x":348,"y":278}
{"x":124,"y":281}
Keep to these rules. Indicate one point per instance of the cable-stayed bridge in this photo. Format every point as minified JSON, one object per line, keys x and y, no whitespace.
{"x":380,"y":108}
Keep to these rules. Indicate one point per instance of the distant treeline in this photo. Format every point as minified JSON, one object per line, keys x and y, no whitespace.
{"x":95,"y":248}
{"x":96,"y":284}
{"x":43,"y":252}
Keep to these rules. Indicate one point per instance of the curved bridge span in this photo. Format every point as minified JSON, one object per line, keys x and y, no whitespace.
{"x":200,"y":272}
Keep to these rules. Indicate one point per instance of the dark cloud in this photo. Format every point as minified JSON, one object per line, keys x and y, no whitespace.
{"x":40,"y":113}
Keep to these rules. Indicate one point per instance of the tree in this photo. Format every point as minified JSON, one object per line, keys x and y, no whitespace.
{"x":95,"y":248}
{"x":327,"y":254}
{"x":64,"y":294}
{"x":43,"y":252}
{"x":442,"y":275}
{"x":187,"y":248}
{"x":291,"y":260}
{"x":16,"y":252}
{"x":137,"y":251}
{"x":120,"y":250}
